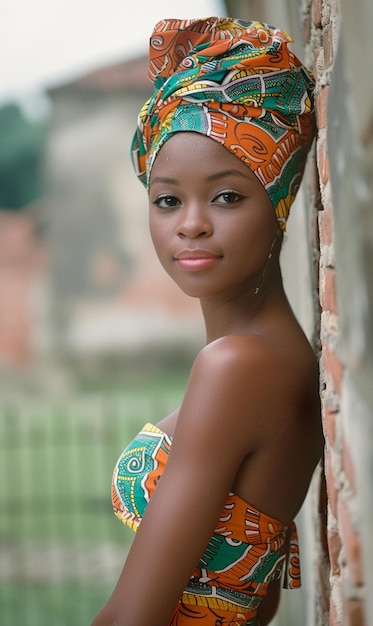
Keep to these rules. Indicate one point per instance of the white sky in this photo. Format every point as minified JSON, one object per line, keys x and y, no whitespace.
{"x":44,"y":42}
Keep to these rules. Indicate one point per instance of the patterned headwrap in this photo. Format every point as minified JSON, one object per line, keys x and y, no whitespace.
{"x":238,"y":83}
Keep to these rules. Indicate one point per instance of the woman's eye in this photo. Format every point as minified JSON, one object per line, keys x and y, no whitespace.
{"x":166,"y":202}
{"x":228,"y":197}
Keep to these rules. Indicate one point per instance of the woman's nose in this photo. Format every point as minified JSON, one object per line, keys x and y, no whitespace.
{"x":194,"y":222}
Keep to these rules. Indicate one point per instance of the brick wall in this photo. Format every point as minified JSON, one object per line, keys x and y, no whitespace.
{"x":22,"y":259}
{"x":340,"y":575}
{"x":336,"y":44}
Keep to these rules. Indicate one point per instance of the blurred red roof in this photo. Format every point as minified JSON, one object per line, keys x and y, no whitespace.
{"x":131,"y":75}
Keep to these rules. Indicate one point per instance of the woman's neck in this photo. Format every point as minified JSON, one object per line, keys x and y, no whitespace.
{"x":247,"y":313}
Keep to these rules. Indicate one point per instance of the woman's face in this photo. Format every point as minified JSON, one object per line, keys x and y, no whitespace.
{"x":211,"y":221}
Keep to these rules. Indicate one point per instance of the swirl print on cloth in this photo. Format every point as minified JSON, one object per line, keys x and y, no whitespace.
{"x":237,"y":82}
{"x":137,"y":473}
{"x":246,"y":552}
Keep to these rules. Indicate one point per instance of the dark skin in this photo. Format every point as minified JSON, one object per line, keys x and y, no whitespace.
{"x":250,"y":418}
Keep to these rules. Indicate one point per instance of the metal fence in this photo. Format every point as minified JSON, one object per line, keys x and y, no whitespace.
{"x":61,"y":548}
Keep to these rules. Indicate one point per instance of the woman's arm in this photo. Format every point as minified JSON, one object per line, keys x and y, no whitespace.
{"x":210,"y":441}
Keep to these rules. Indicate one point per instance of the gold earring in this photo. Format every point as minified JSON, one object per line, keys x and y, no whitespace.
{"x":257,"y":288}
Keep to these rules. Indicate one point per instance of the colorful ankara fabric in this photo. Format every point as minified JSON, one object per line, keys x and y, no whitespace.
{"x":238,"y":83}
{"x":246,"y":551}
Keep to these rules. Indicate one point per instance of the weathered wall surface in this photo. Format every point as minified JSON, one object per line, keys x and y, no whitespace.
{"x":333,"y":37}
{"x":344,"y":162}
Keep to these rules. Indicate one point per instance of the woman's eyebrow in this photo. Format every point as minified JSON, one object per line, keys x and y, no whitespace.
{"x":164,"y":179}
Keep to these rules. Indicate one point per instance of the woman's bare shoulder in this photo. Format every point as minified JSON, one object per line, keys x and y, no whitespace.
{"x":249,"y":375}
{"x":237,"y":350}
{"x":253,"y":359}
{"x":233,"y":358}
{"x":229,"y":384}
{"x":227,"y":379}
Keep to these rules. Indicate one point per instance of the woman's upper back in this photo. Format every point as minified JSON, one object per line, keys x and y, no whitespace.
{"x":264,"y":394}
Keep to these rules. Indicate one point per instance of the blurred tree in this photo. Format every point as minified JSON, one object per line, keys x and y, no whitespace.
{"x":21,"y":155}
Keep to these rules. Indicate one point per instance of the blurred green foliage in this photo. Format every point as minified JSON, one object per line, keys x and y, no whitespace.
{"x":22,"y":145}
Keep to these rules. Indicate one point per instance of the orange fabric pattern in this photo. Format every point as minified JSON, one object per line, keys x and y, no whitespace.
{"x":247,"y":551}
{"x":237,"y":82}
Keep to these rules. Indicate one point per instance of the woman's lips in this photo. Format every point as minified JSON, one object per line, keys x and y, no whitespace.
{"x":195,"y":260}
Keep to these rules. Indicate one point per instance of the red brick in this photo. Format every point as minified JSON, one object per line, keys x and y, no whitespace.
{"x":17,"y":241}
{"x":353,"y":613}
{"x":326,"y":225}
{"x":328,"y":45}
{"x":330,"y":417}
{"x":327,"y":293}
{"x":322,"y":107}
{"x":334,"y":546}
{"x":333,"y":367}
{"x":352,"y":544}
{"x":348,"y":466}
{"x":316,"y":12}
{"x":21,"y":260}
{"x":323,"y":161}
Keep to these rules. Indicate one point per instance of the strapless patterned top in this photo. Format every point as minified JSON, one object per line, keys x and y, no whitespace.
{"x":247,"y":551}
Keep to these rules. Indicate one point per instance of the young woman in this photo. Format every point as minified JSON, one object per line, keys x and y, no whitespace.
{"x":212,"y":489}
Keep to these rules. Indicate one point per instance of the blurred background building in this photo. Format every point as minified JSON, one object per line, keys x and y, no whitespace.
{"x":92,"y":300}
{"x":115,"y":313}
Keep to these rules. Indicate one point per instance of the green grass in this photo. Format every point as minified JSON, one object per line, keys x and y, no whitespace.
{"x":44,"y":605}
{"x":56,"y":461}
